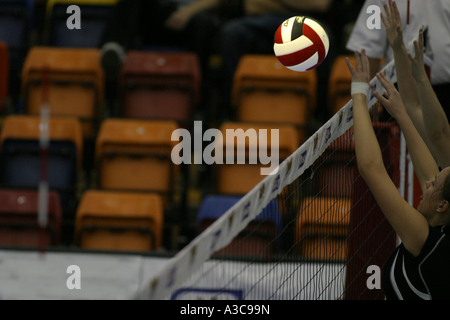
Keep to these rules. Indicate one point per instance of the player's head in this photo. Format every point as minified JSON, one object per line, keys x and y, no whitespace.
{"x":435,"y":201}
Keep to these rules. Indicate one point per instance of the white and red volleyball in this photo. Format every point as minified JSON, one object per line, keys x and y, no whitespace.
{"x":301,"y":43}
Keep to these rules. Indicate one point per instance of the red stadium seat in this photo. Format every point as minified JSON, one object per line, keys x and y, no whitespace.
{"x":160,"y":85}
{"x":19,"y":219}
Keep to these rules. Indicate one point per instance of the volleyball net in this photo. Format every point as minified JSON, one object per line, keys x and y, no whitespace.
{"x":310,"y":231}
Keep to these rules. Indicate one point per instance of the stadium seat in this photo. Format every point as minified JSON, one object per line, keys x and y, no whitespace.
{"x":111,"y":220}
{"x":265,"y":91}
{"x":339,"y":83}
{"x":4,"y":74}
{"x":337,"y":172}
{"x":322,"y":228}
{"x":256,"y":240}
{"x":238,"y":179}
{"x":70,"y":79}
{"x":21,"y":154}
{"x":19,"y":219}
{"x":135,"y":155}
{"x":160,"y":85}
{"x":16,"y":25}
{"x":94,"y":14}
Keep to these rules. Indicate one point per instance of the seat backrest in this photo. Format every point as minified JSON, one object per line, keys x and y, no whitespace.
{"x":19,"y":214}
{"x":323,"y":227}
{"x":238,"y":178}
{"x":73,"y":81}
{"x":256,"y":240}
{"x":16,"y":25}
{"x":287,"y":136}
{"x":111,"y":212}
{"x":94,"y":14}
{"x":22,"y":127}
{"x":164,"y":68}
{"x":135,"y":155}
{"x":266,"y":71}
{"x":324,"y":216}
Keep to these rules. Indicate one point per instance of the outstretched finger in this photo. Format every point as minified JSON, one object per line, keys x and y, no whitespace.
{"x":350,"y":66}
{"x":388,"y":11}
{"x":385,"y":82}
{"x":395,"y":10}
{"x":365,"y":62}
{"x":383,"y":18}
{"x":421,"y":40}
{"x":391,"y":9}
{"x":417,"y":50}
{"x":381,"y":98}
{"x":358,"y":61}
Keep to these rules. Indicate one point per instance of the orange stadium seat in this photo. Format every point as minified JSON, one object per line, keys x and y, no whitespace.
{"x":322,"y":228}
{"x":265,"y":91}
{"x":337,"y":172}
{"x":339,"y":85}
{"x":160,"y":85}
{"x":74,"y":79}
{"x":135,"y":155}
{"x":19,"y":219}
{"x":238,"y":179}
{"x":111,"y":220}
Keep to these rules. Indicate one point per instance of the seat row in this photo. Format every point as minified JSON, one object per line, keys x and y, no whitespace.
{"x":166,"y":85}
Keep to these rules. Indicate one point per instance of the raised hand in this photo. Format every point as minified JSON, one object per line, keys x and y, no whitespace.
{"x":417,"y":62}
{"x":362,"y":72}
{"x":393,"y":24}
{"x":392,"y":100}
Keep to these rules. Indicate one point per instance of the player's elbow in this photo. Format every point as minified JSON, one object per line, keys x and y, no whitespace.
{"x":368,"y":168}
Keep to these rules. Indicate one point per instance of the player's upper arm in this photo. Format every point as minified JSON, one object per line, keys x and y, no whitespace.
{"x":410,"y":225}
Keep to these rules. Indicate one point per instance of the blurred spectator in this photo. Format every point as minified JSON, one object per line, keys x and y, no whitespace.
{"x":432,"y":16}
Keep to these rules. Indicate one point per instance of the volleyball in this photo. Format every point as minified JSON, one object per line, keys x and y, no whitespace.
{"x":301,"y":43}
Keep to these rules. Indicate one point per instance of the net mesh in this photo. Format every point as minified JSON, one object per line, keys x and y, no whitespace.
{"x":311,"y":231}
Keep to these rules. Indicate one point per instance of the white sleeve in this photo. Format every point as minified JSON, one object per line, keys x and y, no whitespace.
{"x":374,"y":41}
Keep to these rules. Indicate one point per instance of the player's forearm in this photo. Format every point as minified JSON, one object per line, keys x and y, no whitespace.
{"x":408,"y":89}
{"x":434,"y":117}
{"x":405,"y":80}
{"x":425,"y":166}
{"x":368,"y":152}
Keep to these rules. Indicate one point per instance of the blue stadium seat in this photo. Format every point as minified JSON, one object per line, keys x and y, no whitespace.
{"x":16,"y":24}
{"x":20,"y":165}
{"x":94,"y":15}
{"x":257,"y":239}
